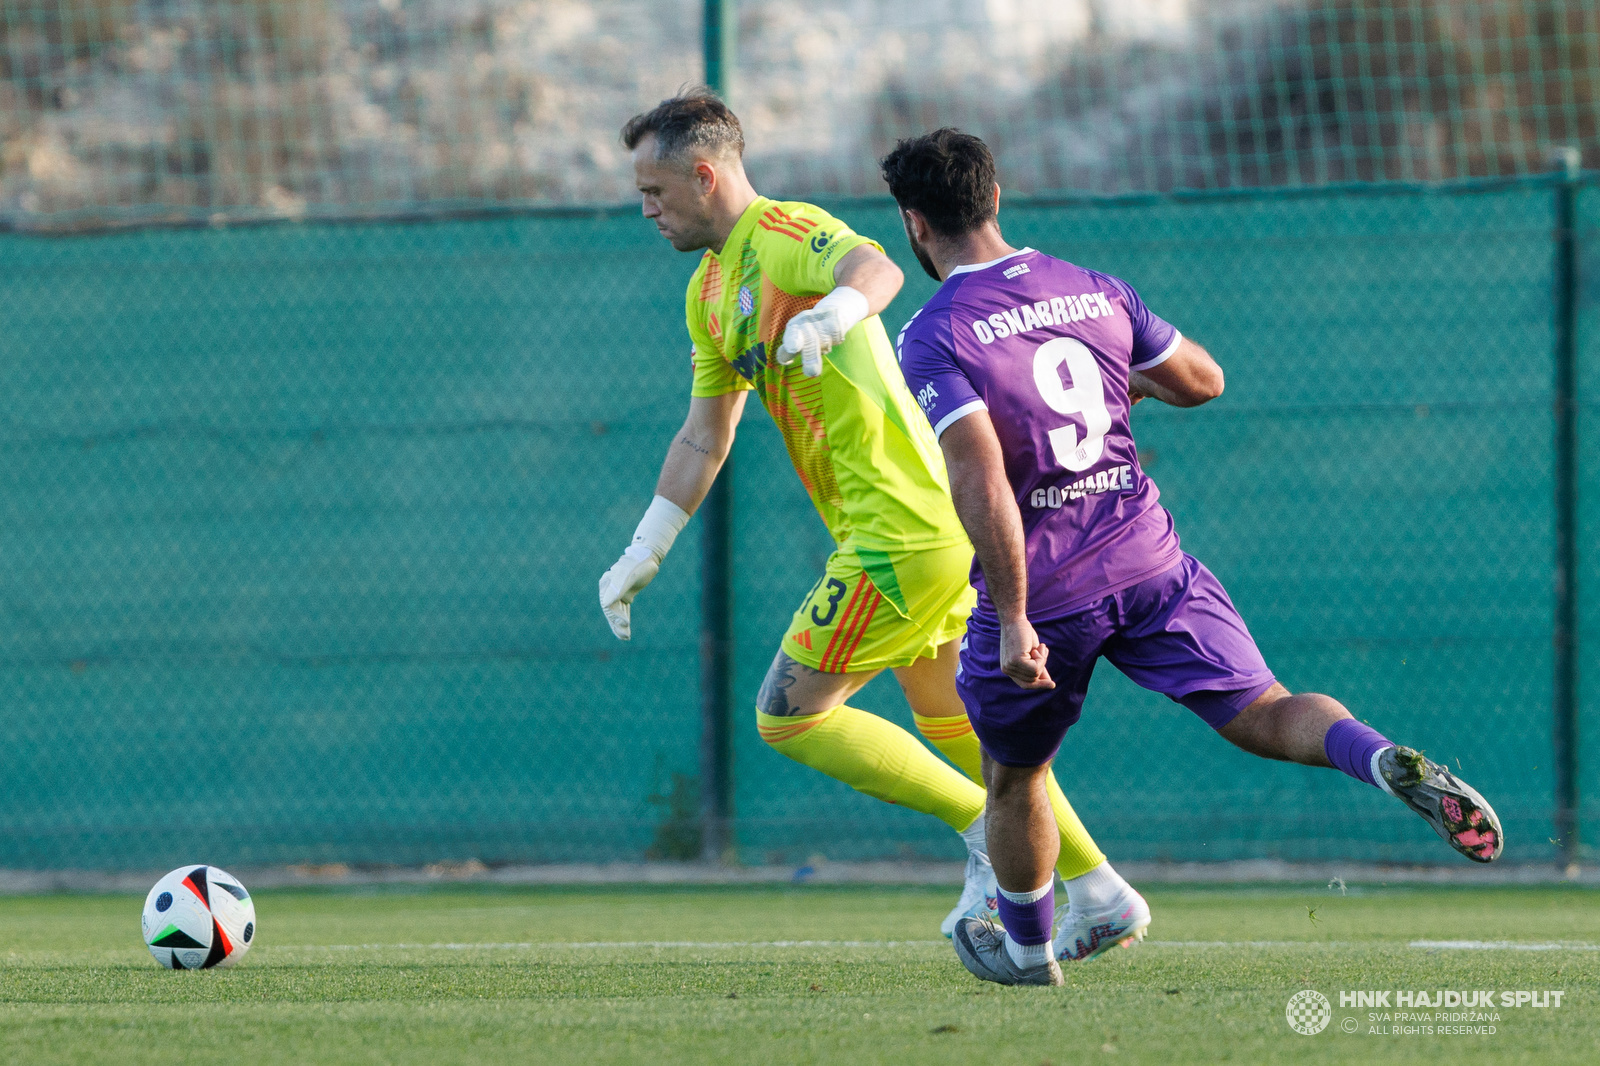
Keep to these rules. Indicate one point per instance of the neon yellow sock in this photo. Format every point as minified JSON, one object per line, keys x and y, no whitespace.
{"x":952,"y":735}
{"x":1079,"y":854}
{"x":876,"y":757}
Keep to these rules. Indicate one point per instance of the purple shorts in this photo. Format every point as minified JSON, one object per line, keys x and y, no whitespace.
{"x":1176,"y":633}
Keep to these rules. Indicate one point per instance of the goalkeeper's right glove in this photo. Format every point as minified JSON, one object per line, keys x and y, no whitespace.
{"x":814,"y":333}
{"x":637,"y":568}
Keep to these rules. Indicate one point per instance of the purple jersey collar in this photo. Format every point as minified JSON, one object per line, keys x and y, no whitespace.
{"x":970,"y":267}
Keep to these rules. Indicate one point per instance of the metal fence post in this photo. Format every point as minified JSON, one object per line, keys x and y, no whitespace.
{"x":716,"y":566}
{"x":721,"y":22}
{"x":1564,"y":731}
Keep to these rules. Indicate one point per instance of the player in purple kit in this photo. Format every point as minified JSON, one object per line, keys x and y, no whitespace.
{"x":1028,"y":368}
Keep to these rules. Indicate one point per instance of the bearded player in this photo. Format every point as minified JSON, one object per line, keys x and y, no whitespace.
{"x":894,"y":595}
{"x":1027,"y":368}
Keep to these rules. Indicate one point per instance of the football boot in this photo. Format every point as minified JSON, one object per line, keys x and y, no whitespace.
{"x":979,"y":895}
{"x":1455,"y":810}
{"x":1080,"y":937}
{"x":981,"y":947}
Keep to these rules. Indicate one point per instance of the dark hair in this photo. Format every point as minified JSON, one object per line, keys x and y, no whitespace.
{"x":694,"y":119}
{"x":947,"y":175}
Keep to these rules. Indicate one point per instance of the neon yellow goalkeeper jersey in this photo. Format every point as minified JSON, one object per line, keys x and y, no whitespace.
{"x":861,"y":446}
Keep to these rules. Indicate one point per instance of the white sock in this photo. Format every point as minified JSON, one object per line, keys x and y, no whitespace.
{"x":1028,"y":955}
{"x":1378,"y":777}
{"x":1096,"y":890}
{"x":977,"y":841}
{"x":1024,"y":898}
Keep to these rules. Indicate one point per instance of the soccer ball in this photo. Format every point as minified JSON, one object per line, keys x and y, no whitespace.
{"x":198,"y":917}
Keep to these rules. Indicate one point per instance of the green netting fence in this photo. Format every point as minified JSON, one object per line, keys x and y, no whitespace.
{"x":302,"y":525}
{"x":333,"y":376}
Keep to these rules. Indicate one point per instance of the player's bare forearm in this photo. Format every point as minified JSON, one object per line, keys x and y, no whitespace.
{"x":988,"y":511}
{"x":872,"y":274}
{"x":699,"y":449}
{"x":1188,"y":378}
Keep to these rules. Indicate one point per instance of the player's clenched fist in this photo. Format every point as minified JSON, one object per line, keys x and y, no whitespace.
{"x":639,"y":563}
{"x":1023,"y":657}
{"x":813,"y":334}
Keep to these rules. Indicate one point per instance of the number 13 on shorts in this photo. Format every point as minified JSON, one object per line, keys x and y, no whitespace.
{"x":873,"y":610}
{"x":832,"y":621}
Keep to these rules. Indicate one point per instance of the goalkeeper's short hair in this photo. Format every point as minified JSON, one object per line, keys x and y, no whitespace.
{"x":947,"y":176}
{"x":696,"y":120}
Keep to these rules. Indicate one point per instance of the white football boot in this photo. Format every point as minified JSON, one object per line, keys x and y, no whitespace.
{"x":979,"y":895}
{"x":1080,"y":936}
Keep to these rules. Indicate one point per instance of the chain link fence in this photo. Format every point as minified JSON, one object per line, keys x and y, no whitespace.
{"x":303,"y":519}
{"x":303,"y":526}
{"x":1375,"y":489}
{"x":1588,"y":517}
{"x":117,"y":112}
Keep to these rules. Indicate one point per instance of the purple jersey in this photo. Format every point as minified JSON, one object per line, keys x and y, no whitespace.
{"x":1046,"y":348}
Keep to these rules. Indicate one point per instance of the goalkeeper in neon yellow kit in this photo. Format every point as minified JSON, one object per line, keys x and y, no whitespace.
{"x":784,"y":304}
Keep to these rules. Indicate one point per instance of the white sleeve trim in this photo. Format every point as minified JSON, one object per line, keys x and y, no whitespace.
{"x":959,"y":413}
{"x":1177,"y":339}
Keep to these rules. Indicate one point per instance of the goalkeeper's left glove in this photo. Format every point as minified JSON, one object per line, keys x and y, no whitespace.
{"x":812,"y":334}
{"x":637,"y":568}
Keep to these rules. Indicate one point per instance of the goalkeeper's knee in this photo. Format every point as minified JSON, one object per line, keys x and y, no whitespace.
{"x":781,"y":732}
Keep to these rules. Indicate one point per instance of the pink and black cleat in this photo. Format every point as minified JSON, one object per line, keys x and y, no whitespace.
{"x":1455,"y":810}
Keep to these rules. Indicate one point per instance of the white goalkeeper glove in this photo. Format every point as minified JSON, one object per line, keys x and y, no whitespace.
{"x":637,"y":568}
{"x":812,"y":334}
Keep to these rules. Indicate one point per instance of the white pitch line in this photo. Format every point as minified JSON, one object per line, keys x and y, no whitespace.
{"x":1247,"y":943}
{"x":1500,"y":945}
{"x":1461,"y":945}
{"x":529,"y":945}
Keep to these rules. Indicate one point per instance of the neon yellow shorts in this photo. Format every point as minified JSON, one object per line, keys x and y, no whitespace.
{"x":875,"y":610}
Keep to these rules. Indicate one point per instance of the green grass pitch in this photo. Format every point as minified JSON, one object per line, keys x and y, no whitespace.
{"x":782,"y":975}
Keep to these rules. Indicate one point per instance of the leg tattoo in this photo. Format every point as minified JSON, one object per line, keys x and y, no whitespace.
{"x":773,"y":698}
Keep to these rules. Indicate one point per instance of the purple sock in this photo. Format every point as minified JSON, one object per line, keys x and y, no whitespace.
{"x":1029,"y":923}
{"x":1350,"y":746}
